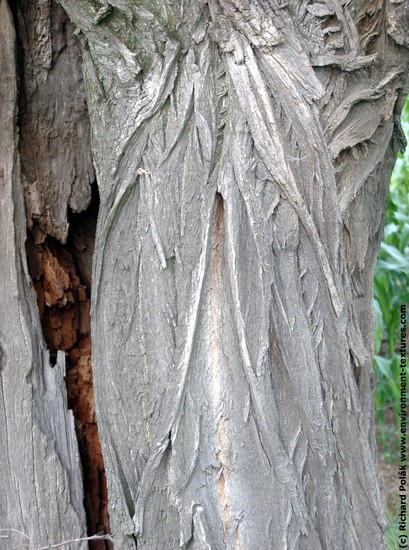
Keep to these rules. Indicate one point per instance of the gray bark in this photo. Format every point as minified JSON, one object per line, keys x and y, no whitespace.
{"x":242,"y":151}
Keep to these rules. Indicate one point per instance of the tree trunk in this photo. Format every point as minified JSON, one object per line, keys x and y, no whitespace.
{"x":42,"y":494}
{"x":242,"y":150}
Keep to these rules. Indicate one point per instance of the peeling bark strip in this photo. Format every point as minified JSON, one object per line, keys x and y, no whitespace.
{"x":243,"y":150}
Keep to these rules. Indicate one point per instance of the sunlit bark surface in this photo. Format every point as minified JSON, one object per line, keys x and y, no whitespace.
{"x":242,"y":151}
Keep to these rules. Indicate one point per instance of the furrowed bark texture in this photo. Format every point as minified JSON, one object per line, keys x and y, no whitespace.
{"x":243,"y":150}
{"x":41,"y":90}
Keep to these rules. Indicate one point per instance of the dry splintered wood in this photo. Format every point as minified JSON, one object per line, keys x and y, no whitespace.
{"x":242,"y":150}
{"x":40,"y":475}
{"x":76,"y":541}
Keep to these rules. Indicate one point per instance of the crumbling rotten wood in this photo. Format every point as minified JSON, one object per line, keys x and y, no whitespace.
{"x":40,"y":476}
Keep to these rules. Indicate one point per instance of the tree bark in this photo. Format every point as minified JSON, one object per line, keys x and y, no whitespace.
{"x":42,"y":495}
{"x":243,"y":150}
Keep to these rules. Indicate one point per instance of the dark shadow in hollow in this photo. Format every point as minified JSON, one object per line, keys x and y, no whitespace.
{"x":62,"y":277}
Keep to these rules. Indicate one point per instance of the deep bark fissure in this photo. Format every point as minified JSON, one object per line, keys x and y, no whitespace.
{"x":61,"y":275}
{"x":61,"y":208}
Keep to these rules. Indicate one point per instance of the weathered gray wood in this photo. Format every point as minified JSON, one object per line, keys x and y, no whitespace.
{"x":56,"y":165}
{"x":40,"y":478}
{"x":243,"y":150}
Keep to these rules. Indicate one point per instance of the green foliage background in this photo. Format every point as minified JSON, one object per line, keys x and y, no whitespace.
{"x":391,"y":285}
{"x":391,"y":288}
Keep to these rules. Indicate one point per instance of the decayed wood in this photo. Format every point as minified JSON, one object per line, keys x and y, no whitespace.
{"x":40,"y":474}
{"x":56,"y":164}
{"x":243,"y":149}
{"x":62,"y":280}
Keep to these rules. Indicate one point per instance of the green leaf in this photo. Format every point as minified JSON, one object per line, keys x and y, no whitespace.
{"x":384,"y":365}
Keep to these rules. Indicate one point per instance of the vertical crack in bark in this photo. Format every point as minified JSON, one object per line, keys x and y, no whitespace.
{"x":62,"y":279}
{"x":217,"y":299}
